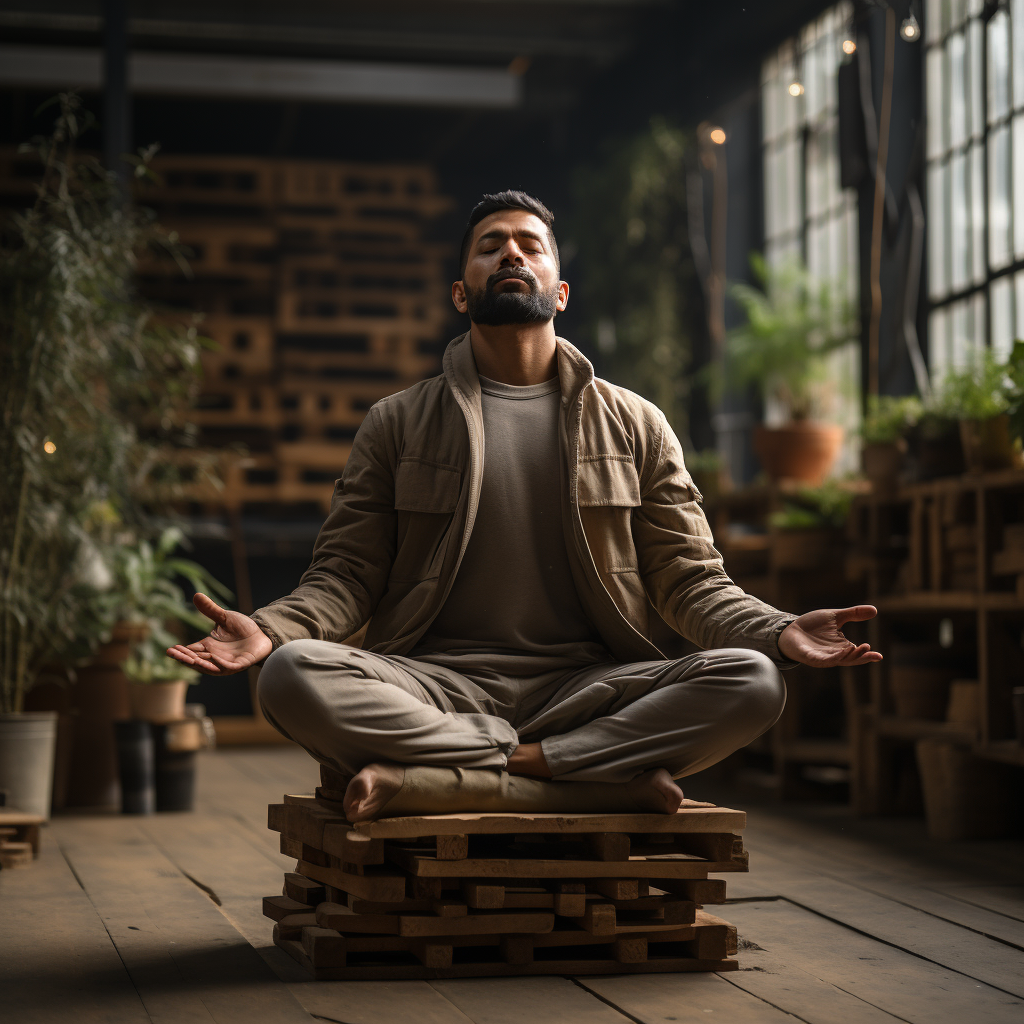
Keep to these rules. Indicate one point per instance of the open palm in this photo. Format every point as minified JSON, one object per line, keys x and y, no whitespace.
{"x":235,"y":643}
{"x":816,"y":639}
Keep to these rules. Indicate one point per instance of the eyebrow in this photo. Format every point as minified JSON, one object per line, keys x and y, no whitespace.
{"x":520,"y":233}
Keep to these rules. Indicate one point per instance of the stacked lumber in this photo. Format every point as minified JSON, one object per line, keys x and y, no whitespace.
{"x":478,"y":895}
{"x":324,"y":295}
{"x":19,"y":838}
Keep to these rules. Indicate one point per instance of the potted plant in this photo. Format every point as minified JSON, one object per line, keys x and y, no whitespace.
{"x":708,"y":472}
{"x":147,"y":597}
{"x":794,"y":324}
{"x":980,"y":397}
{"x":83,"y":363}
{"x":807,"y":531}
{"x":883,"y":432}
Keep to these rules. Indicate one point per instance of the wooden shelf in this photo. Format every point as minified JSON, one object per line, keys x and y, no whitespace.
{"x":922,"y":728}
{"x":1007,"y":751}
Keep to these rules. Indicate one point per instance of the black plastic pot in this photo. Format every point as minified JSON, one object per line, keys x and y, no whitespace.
{"x":136,"y":765}
{"x":175,"y":774}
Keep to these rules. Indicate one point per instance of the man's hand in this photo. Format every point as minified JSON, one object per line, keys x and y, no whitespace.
{"x":816,"y":639}
{"x":235,"y":643}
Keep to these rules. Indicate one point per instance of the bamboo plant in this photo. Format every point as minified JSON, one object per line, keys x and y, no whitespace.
{"x":92,"y":382}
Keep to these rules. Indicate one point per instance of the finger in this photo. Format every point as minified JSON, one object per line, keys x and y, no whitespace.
{"x":869,"y":658}
{"x":185,"y":657}
{"x":856,"y":613}
{"x":210,"y":608}
{"x":208,"y":668}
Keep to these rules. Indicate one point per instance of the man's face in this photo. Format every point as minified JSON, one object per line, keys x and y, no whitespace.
{"x":511,"y":274}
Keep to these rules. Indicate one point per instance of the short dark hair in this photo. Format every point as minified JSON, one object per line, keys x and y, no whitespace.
{"x":511,"y":199}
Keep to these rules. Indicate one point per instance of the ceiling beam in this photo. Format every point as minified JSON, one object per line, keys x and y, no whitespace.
{"x":190,"y":74}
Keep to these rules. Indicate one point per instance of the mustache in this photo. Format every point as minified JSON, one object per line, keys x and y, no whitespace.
{"x":506,"y":272}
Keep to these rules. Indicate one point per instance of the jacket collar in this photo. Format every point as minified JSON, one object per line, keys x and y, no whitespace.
{"x":575,"y":371}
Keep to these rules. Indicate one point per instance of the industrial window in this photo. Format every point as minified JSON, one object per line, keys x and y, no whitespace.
{"x":808,"y":216}
{"x":975,"y":183}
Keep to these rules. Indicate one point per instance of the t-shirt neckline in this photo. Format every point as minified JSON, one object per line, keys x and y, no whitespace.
{"x":516,"y":391}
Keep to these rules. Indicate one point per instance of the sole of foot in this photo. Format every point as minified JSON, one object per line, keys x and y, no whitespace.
{"x":371,"y":789}
{"x":658,"y":789}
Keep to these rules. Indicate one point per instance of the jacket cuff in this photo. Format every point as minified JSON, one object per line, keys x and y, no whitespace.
{"x":269,"y":633}
{"x":782,"y":663}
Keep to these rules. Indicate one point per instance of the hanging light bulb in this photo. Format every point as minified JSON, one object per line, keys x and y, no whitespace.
{"x":717,"y":136}
{"x":849,"y":46}
{"x":910,"y":30}
{"x":796,"y":89}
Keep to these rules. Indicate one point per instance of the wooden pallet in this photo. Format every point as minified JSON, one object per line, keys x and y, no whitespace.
{"x":19,"y":838}
{"x":469,"y":895}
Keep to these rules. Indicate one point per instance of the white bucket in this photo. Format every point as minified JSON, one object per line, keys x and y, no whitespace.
{"x":26,"y":759}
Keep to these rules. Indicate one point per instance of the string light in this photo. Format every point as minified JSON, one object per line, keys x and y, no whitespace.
{"x":717,"y":136}
{"x":796,"y":89}
{"x":49,"y":447}
{"x":910,"y":29}
{"x":849,"y":46}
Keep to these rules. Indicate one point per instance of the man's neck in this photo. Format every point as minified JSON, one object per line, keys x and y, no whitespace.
{"x":519,"y":354}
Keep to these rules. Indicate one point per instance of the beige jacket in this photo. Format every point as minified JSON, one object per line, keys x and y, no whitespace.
{"x":403,"y":511}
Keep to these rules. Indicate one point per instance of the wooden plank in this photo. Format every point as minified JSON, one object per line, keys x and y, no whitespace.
{"x":514,"y":1000}
{"x":686,"y":819}
{"x":662,"y":997}
{"x":881,"y":978}
{"x":184,"y":957}
{"x":57,"y":961}
{"x":905,"y":927}
{"x":392,"y":971}
{"x":377,"y":1002}
{"x":507,"y":867}
{"x":383,"y":886}
{"x":341,"y":919}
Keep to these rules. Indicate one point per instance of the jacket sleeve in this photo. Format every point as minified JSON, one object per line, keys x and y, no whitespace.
{"x":353,"y":554}
{"x":681,"y":568}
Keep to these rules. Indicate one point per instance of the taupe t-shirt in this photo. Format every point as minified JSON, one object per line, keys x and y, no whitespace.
{"x":514,"y":592}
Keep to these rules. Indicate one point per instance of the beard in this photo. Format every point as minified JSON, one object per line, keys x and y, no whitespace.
{"x":496,"y":309}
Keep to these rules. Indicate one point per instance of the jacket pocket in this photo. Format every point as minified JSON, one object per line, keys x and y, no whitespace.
{"x":608,"y":480}
{"x":426,"y":496}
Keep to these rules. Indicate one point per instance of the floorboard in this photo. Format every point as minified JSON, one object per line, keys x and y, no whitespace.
{"x":187,"y":961}
{"x":159,"y":920}
{"x":57,"y":962}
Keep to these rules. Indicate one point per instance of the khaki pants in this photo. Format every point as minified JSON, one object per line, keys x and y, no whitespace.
{"x":606,"y":722}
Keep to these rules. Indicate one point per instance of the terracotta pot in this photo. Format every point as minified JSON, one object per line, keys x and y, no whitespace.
{"x":802,"y":451}
{"x":881,"y":463}
{"x":804,"y":549}
{"x":158,"y":702}
{"x":988,"y":445}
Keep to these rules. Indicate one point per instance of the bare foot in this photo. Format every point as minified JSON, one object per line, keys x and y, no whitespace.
{"x":371,"y":789}
{"x":657,"y":789}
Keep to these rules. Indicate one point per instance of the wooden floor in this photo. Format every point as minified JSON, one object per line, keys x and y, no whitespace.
{"x":158,"y":919}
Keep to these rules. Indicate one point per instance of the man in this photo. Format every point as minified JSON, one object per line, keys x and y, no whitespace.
{"x":508,"y":529}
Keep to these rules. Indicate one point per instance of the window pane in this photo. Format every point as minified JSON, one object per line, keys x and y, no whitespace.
{"x":960,"y":268}
{"x":957,"y":12}
{"x":933,"y":20}
{"x":938,"y":345}
{"x":1001,"y":297}
{"x":999,"y":249}
{"x":1018,"y":288}
{"x":936,"y":119}
{"x":998,"y":66}
{"x":976,"y":76}
{"x":955,"y":48}
{"x":977,"y":185}
{"x":962,"y":340}
{"x":978,"y":324}
{"x":1017,"y":18}
{"x":1018,"y":184}
{"x":937,"y":231}
{"x":792,"y":182}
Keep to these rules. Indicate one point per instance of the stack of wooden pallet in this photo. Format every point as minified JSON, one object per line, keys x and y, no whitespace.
{"x":19,"y":837}
{"x":476,"y":895}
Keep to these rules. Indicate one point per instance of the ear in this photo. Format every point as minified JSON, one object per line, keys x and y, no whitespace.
{"x":459,"y":296}
{"x":563,"y":296}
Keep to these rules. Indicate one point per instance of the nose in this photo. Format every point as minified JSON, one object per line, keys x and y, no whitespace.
{"x":512,"y":255}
